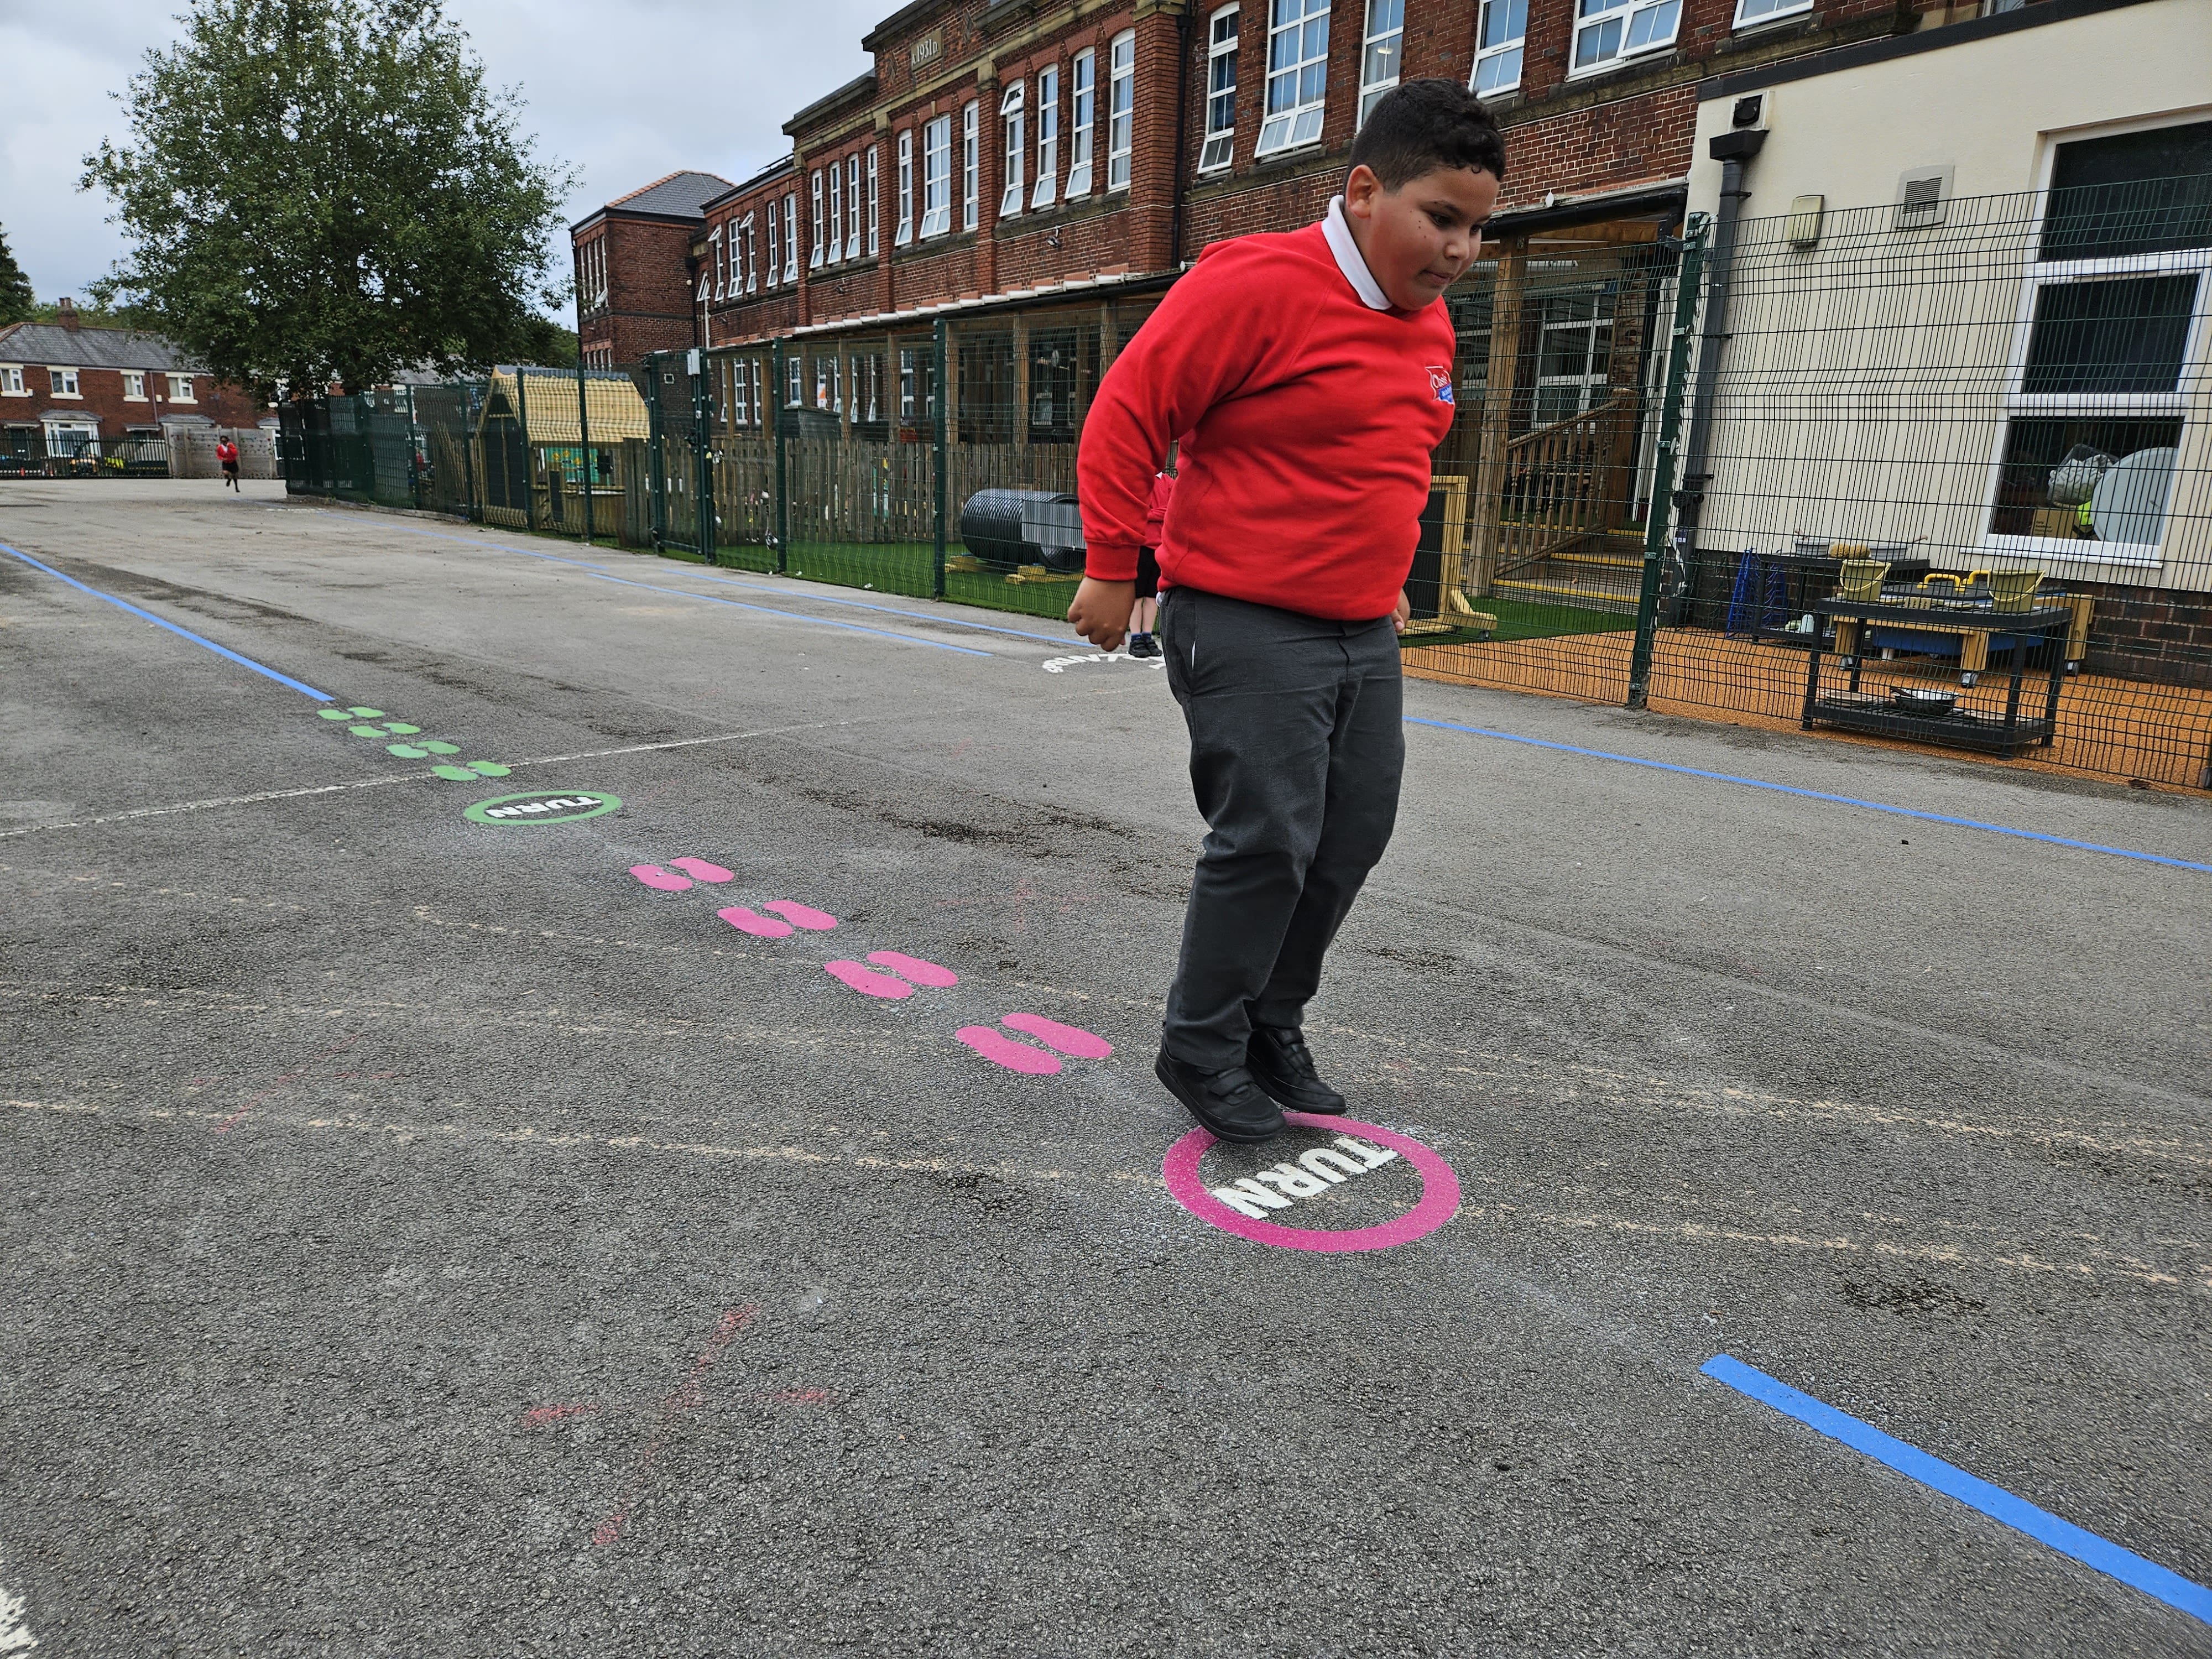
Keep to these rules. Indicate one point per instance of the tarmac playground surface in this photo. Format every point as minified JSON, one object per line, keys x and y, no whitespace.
{"x":635,"y":1134}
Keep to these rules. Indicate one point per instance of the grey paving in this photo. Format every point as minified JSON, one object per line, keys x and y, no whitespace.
{"x":421,"y":1238}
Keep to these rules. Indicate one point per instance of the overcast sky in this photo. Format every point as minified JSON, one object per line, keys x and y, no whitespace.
{"x":625,"y":92}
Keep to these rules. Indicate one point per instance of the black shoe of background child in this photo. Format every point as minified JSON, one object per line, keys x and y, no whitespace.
{"x":1227,"y":1103}
{"x":1144,"y":645}
{"x":1278,"y":1061}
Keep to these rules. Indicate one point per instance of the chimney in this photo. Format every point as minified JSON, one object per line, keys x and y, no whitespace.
{"x":65,"y":313}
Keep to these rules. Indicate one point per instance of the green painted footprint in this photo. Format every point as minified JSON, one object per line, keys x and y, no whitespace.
{"x":467,"y":772}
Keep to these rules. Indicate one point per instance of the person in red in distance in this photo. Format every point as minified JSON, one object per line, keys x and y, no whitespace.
{"x":1141,"y":614}
{"x":226,"y":451}
{"x":1312,"y":374}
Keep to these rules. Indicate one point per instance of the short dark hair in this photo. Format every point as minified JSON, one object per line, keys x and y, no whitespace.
{"x":1419,"y":126}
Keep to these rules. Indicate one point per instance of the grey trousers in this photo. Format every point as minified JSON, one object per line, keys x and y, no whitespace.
{"x":1296,"y":750}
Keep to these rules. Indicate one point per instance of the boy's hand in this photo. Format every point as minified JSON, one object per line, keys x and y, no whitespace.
{"x":1402,"y":612}
{"x":1101,"y":612}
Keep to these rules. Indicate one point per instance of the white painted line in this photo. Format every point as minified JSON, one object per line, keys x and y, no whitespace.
{"x":14,"y":1635}
{"x":404,"y":777}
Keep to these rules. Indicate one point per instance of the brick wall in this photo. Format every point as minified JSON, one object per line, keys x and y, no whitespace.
{"x":100,"y":397}
{"x":649,"y":289}
{"x":2151,"y":633}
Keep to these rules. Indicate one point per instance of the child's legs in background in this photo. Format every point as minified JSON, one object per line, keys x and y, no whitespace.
{"x":1142,"y":615}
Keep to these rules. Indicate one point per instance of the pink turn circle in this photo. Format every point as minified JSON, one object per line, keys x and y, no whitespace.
{"x":1439,"y":1192}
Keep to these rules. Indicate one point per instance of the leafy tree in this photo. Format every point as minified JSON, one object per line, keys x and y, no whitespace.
{"x":16,"y":301}
{"x":326,"y":190}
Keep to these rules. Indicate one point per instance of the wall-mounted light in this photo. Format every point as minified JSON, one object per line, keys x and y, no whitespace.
{"x":1805,"y":220}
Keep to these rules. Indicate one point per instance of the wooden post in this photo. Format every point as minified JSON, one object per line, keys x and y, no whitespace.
{"x":1487,"y":508}
{"x":1021,"y":324}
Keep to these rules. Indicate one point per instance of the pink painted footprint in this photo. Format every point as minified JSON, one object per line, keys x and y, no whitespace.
{"x":1070,"y":1040}
{"x":794,"y":914}
{"x":890,"y":986}
{"x":665,"y":881}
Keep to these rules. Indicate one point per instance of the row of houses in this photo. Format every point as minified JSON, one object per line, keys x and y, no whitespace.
{"x":69,"y":388}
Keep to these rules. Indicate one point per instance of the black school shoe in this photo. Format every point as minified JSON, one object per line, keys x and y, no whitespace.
{"x":1278,"y":1061}
{"x":1142,"y":644}
{"x":1226,"y":1101}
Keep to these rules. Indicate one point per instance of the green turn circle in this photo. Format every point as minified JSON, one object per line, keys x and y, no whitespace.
{"x":543,"y":806}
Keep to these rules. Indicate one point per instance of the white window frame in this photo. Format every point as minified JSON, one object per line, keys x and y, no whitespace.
{"x":852,"y":205}
{"x":63,"y":381}
{"x":1014,"y":129}
{"x":1752,"y":14}
{"x":1120,"y":108}
{"x":904,"y":233}
{"x":1289,"y":120}
{"x":752,"y":256}
{"x":937,"y":177}
{"x":1497,"y":63}
{"x":835,"y":242}
{"x":774,"y":244}
{"x":1384,"y":36}
{"x":2038,"y":273}
{"x":714,"y":237}
{"x":1082,"y":120}
{"x":134,"y":386}
{"x":971,"y":165}
{"x":11,"y":381}
{"x":794,"y":381}
{"x":875,"y":205}
{"x":814,"y":226}
{"x":1047,"y":136}
{"x":1219,"y":148}
{"x":791,"y":237}
{"x":1593,"y":17}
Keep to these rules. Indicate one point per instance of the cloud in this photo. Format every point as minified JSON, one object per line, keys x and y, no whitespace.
{"x":623,"y":93}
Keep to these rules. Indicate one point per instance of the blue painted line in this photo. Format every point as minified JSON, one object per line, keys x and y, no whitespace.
{"x":162,"y":621}
{"x":704,"y":598}
{"x":2184,"y":1594}
{"x":1817,"y":794}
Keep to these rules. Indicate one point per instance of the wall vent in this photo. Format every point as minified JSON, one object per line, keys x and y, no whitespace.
{"x":1923,"y":197}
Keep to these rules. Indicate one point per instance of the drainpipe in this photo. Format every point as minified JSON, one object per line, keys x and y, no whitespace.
{"x":1182,"y":97}
{"x":1734,"y":151}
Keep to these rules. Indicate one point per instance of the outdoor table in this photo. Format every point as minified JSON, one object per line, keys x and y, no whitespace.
{"x":1764,"y":581}
{"x":1962,"y":728}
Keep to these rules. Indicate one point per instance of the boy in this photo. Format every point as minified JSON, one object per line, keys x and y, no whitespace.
{"x":1311,"y":374}
{"x":226,"y":452}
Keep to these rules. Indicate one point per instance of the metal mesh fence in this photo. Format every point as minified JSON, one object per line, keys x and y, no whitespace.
{"x":1948,"y":481}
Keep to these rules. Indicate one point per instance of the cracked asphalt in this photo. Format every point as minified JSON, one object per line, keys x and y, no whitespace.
{"x":422,"y":1237}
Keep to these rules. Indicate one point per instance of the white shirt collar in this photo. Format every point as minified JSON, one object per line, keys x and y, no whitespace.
{"x":1348,"y":259}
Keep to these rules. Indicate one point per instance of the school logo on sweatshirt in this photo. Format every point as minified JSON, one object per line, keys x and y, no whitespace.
{"x":1440,"y":382}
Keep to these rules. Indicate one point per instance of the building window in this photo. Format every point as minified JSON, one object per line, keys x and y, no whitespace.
{"x":1609,"y":31}
{"x":1047,"y":143}
{"x":1380,"y":52}
{"x":1573,"y":355}
{"x":1121,"y":107}
{"x":720,"y":270}
{"x":1220,"y":90}
{"x":1083,"y":97}
{"x":1748,"y":12}
{"x":2097,"y":404}
{"x":134,"y":386}
{"x":904,"y":233}
{"x":794,"y":381}
{"x":64,"y":381}
{"x":875,"y":206}
{"x":814,"y":226}
{"x":752,"y":256}
{"x":822,"y":383}
{"x":937,"y":177}
{"x":1497,"y":40}
{"x":1017,"y":149}
{"x":852,"y":205}
{"x":11,"y":380}
{"x":1297,"y":74}
{"x":917,"y":384}
{"x":774,"y":247}
{"x":971,"y":162}
{"x":791,"y":237}
{"x":180,"y":389}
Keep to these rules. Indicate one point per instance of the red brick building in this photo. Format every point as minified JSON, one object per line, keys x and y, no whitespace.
{"x":1002,"y":155}
{"x":66,"y":385}
{"x":633,"y":270}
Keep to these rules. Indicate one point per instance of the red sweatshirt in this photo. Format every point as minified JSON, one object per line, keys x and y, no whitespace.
{"x":1307,"y":417}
